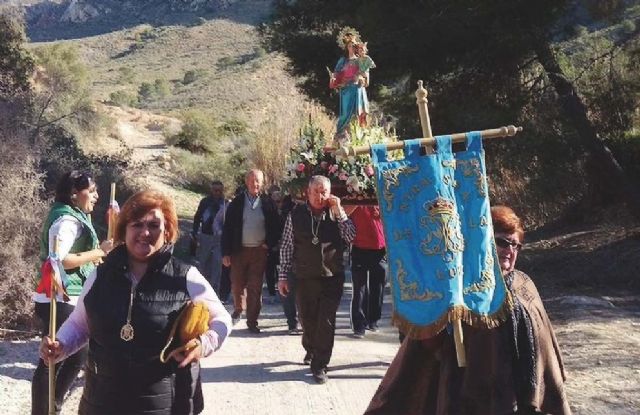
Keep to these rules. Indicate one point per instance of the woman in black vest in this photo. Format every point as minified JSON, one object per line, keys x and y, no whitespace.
{"x":126,"y":311}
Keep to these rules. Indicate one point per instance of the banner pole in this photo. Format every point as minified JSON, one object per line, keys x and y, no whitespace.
{"x":501,"y":132}
{"x":110,"y":219}
{"x":52,"y":335}
{"x":459,"y":341}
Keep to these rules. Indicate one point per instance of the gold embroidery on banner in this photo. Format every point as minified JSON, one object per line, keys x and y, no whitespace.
{"x":443,"y":229}
{"x":471,"y":168}
{"x":403,"y":235}
{"x":473,"y":225}
{"x":408,"y":197}
{"x":449,"y":163}
{"x":453,"y":272}
{"x":409,"y":291}
{"x":487,"y":278}
{"x":392,"y":179}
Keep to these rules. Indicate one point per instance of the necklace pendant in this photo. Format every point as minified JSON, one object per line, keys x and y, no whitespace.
{"x":126,"y":332}
{"x":315,"y":240}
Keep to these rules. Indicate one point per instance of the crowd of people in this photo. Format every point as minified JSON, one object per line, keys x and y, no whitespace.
{"x":125,"y":297}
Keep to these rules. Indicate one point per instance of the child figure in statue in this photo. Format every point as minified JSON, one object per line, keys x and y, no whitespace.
{"x":351,"y":77}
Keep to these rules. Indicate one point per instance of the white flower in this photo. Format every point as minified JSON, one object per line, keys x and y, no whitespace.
{"x":354,"y":182}
{"x":308,"y":155}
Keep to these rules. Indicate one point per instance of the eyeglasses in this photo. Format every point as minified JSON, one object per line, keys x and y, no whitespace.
{"x":507,"y":243}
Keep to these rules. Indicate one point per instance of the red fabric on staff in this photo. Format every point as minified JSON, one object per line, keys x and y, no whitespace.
{"x":49,"y":272}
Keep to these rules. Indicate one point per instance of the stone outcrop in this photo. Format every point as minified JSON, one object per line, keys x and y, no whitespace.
{"x":79,"y":12}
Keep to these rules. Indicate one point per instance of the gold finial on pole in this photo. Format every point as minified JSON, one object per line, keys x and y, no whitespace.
{"x":421,"y":100}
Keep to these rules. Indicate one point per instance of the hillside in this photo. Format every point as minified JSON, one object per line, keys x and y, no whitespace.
{"x":230,"y":75}
{"x":207,"y":56}
{"x":234,"y":74}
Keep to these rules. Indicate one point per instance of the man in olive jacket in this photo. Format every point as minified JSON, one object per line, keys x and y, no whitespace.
{"x":250,"y":229}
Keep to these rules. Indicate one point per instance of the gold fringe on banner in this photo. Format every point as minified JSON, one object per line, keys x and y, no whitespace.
{"x":459,"y":312}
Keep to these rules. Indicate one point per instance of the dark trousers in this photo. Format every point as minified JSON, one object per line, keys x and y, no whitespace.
{"x":271,"y":273}
{"x":225,"y":284}
{"x":66,"y":371}
{"x":368,"y":277}
{"x":318,"y":300}
{"x":289,"y":303}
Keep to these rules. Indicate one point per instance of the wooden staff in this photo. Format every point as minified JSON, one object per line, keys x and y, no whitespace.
{"x":501,"y":132}
{"x":52,"y":335}
{"x":111,"y":218}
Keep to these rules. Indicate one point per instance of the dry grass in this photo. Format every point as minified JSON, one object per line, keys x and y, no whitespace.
{"x":21,"y":213}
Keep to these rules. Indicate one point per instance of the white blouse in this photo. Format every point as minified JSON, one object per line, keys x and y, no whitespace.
{"x":66,"y":229}
{"x":74,"y":332}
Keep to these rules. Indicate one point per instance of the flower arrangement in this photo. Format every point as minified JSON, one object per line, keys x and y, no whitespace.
{"x":351,"y":177}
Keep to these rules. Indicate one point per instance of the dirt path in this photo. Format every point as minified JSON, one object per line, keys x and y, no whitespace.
{"x":263,"y":374}
{"x":251,"y":374}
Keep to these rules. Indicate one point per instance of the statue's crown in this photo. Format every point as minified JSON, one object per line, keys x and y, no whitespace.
{"x":346,"y":35}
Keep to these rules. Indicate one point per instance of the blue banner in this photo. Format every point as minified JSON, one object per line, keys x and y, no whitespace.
{"x":437,"y":222}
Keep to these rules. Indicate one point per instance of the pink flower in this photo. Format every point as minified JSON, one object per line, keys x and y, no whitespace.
{"x":300,"y":167}
{"x":343,"y":176}
{"x":333,"y":168}
{"x":368,"y":170}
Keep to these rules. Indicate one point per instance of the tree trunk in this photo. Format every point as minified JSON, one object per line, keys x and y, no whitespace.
{"x":576,"y":111}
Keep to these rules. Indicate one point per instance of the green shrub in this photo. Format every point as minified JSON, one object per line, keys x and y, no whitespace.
{"x":189,"y":77}
{"x":259,"y":52}
{"x":199,"y":133}
{"x":579,"y":30}
{"x":123,"y":99}
{"x":161,"y":87}
{"x":234,"y":127}
{"x":198,"y":170}
{"x":146,"y":92}
{"x":64,"y":96}
{"x":226,"y":62}
{"x":144,"y":35}
{"x":126,"y":74}
{"x":628,"y":26}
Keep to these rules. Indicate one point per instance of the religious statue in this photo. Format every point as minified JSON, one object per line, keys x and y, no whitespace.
{"x":351,"y":77}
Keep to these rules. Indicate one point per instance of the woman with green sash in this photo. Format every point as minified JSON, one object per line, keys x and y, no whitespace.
{"x":79,"y":251}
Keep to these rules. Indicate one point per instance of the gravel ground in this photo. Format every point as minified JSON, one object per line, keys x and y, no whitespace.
{"x":251,"y":374}
{"x":264,"y":374}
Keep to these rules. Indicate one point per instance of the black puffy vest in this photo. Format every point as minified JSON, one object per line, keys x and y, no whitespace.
{"x":322,"y":260}
{"x":128,"y":377}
